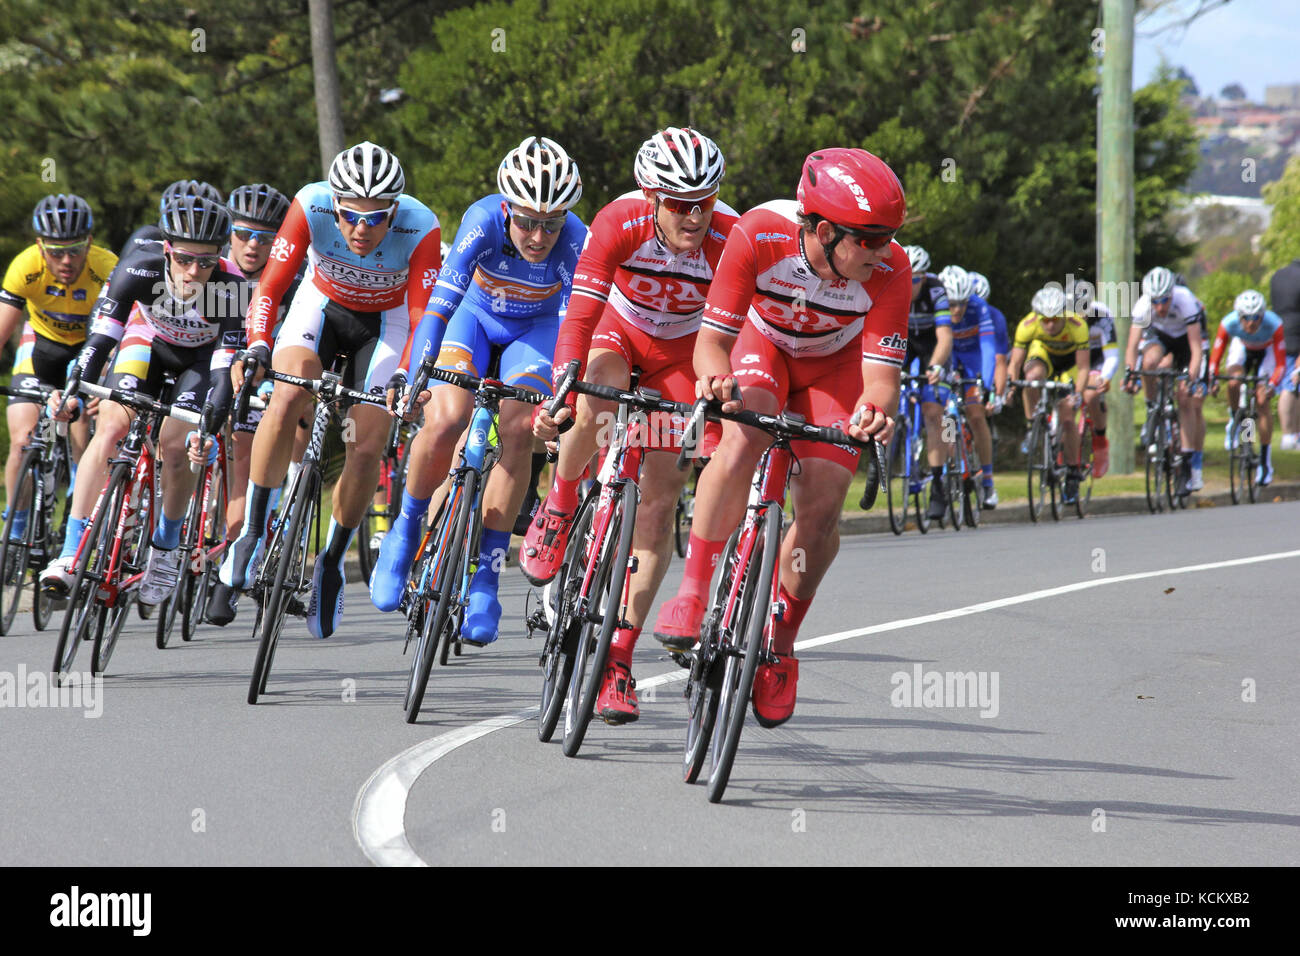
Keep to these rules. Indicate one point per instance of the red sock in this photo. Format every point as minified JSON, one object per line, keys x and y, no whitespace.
{"x":620,"y":649}
{"x":786,"y":629}
{"x":701,"y":559}
{"x":563,"y":496}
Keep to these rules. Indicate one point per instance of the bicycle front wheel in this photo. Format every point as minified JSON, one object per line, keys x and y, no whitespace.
{"x":15,"y":550}
{"x":1038,"y":468}
{"x":1083,"y":496}
{"x":84,"y":615}
{"x":973,"y":490}
{"x":1154,"y":473}
{"x":705,"y":678}
{"x":738,"y":675}
{"x":604,"y":608}
{"x":896,"y":477}
{"x":440,"y":622}
{"x":558,"y":656}
{"x":132,"y":551}
{"x":952,"y":486}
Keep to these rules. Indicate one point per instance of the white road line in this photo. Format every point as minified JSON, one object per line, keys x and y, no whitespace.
{"x":379,"y":814}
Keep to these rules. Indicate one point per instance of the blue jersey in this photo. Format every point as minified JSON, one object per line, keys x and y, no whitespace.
{"x":1261,"y":338}
{"x":1003,"y":343}
{"x":974,"y":340}
{"x":485,"y":273}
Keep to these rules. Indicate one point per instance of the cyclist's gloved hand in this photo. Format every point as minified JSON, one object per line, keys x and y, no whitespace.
{"x":252,"y":361}
{"x":197,"y":457}
{"x":546,"y":427}
{"x":396,"y":390}
{"x":995,"y":403}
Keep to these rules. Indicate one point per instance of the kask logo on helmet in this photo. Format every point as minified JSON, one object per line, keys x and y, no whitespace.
{"x":844,"y":179}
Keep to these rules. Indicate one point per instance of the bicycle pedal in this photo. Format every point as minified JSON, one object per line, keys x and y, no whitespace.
{"x":683,"y":659}
{"x":295,"y":607}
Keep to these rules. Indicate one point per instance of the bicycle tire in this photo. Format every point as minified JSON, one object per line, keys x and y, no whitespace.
{"x":558,"y":656}
{"x":611,"y":574}
{"x":1058,"y":472}
{"x":1249,"y":463}
{"x":449,"y":576}
{"x":196,"y":610}
{"x":1155,"y":501}
{"x":15,"y":554}
{"x":704,"y":680}
{"x":473,"y":546}
{"x":285,"y":552}
{"x":679,"y":526}
{"x":54,"y":524}
{"x":1083,"y":496}
{"x":132,"y":553}
{"x":1236,"y":477}
{"x":84,"y":611}
{"x":174,"y":603}
{"x":1036,"y":467}
{"x":952,"y":486}
{"x":973,"y":490}
{"x":896,"y":478}
{"x":734,"y":699}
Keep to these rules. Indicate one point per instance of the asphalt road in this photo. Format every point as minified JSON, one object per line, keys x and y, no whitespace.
{"x":1144,"y":721}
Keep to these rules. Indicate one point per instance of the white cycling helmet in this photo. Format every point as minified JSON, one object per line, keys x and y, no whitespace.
{"x":366,"y":171}
{"x":538,"y":174}
{"x":957,"y":283}
{"x":1250,"y":305}
{"x":1049,"y":301}
{"x":919,"y":258}
{"x":679,"y":160}
{"x":1158,"y":283}
{"x":981,"y":284}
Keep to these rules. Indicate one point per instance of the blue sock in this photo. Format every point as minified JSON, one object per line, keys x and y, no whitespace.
{"x":1196,"y":459}
{"x":988,"y":475}
{"x":414,"y":509}
{"x":72,"y":477}
{"x":492,"y":552}
{"x":167,"y":536}
{"x":20,"y":522}
{"x":72,"y":538}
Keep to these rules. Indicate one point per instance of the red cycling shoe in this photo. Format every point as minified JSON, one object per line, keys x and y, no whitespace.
{"x":542,"y":552}
{"x":617,"y":702}
{"x":678,"y":624}
{"x":775,"y":690}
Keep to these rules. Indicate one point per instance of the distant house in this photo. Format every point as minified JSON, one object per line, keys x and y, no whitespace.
{"x":1283,"y":96}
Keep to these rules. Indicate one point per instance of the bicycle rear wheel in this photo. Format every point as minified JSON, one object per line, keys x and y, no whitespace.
{"x":175,"y":602}
{"x":738,"y":675}
{"x":440,"y":621}
{"x":972,"y":489}
{"x":53,"y":525}
{"x":1083,"y":497}
{"x":286,"y":555}
{"x":15,"y":554}
{"x":605,"y":609}
{"x":1038,"y":468}
{"x":952,"y":486}
{"x":558,"y":656}
{"x":132,"y":551}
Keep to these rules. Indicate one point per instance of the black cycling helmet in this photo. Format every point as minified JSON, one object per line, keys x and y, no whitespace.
{"x":259,"y":203}
{"x":195,"y":219}
{"x":189,"y":187}
{"x":62,"y":217}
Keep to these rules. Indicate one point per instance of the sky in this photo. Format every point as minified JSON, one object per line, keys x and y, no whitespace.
{"x":1252,"y":42}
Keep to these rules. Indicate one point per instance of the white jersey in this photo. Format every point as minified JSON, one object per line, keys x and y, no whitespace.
{"x":1185,"y":310}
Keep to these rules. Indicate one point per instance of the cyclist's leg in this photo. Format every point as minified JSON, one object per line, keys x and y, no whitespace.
{"x":763,"y":375}
{"x":1094,"y":400}
{"x":22,"y":418}
{"x":979,"y":424}
{"x":608,"y":363}
{"x":446,"y":415}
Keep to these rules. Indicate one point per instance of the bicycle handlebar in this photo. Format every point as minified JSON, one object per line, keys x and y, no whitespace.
{"x":329,"y":385}
{"x":139,"y":402}
{"x":38,"y":393}
{"x":781,"y":426}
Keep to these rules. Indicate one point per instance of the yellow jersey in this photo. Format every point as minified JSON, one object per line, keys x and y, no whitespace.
{"x":1072,"y":336}
{"x":56,"y":311}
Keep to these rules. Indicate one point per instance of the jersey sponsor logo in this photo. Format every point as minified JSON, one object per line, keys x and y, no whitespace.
{"x":376,"y":389}
{"x":358,"y":278}
{"x":323,"y":210}
{"x":54,"y":290}
{"x":31,"y":277}
{"x":404,"y":231}
{"x":184,"y":398}
{"x":232,"y":338}
{"x":665,"y":294}
{"x":309,"y":336}
{"x":128,"y":383}
{"x":750,"y":358}
{"x":475,"y":233}
{"x":78,"y":295}
{"x":143,"y":273}
{"x":770,"y":237}
{"x":893,"y":342}
{"x":281,"y":249}
{"x":429,"y":278}
{"x":633,"y":223}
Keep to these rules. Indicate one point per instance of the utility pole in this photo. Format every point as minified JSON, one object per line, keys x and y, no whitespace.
{"x":325,"y":72}
{"x":1115,"y":208}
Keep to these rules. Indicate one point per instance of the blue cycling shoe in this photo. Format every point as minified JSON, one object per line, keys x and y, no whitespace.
{"x":393,"y":566}
{"x":240,"y":566}
{"x":484,"y":611}
{"x":326,"y":608}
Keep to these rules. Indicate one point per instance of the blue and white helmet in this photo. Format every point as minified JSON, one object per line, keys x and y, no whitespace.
{"x":1250,"y":305}
{"x":366,"y":171}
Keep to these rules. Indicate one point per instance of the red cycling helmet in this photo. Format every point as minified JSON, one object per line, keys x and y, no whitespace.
{"x":853,"y":188}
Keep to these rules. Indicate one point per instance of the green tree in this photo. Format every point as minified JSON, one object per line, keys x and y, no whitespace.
{"x":1281,"y":241}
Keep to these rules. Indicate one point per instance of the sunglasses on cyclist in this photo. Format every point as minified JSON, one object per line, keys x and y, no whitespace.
{"x":868,"y":240}
{"x":263,"y":236}
{"x":1162,"y":300}
{"x":184,"y":259}
{"x":64,"y":250}
{"x":372,"y":219}
{"x":688,"y":207}
{"x":528,"y":224}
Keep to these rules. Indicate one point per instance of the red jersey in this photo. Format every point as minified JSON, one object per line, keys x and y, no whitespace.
{"x":765,"y":279}
{"x":624,"y":266}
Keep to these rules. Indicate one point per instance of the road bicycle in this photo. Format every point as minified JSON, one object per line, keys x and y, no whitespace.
{"x":736,"y":634}
{"x":589,"y":596}
{"x":1045,"y":463}
{"x":203,"y":539}
{"x":38,"y":495}
{"x":962,"y":476}
{"x":1243,"y":433}
{"x":1166,"y":465}
{"x":282,"y":581}
{"x":437,"y":593}
{"x":906,"y":473}
{"x":110,"y":557}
